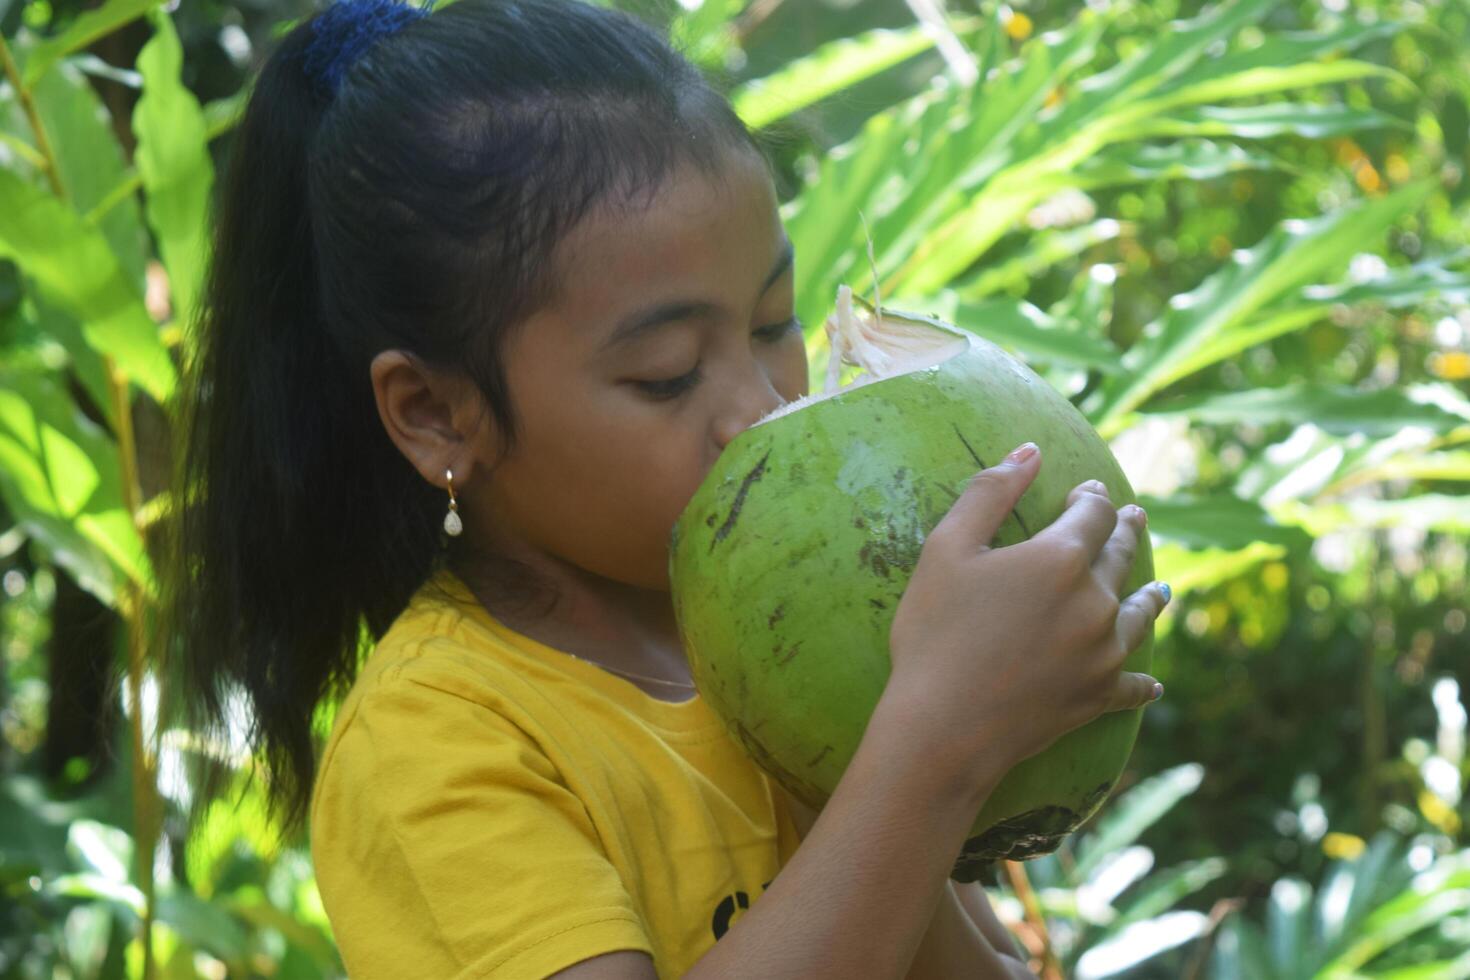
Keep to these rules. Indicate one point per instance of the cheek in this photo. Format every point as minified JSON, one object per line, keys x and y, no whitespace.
{"x":792,"y":373}
{"x":605,"y":495}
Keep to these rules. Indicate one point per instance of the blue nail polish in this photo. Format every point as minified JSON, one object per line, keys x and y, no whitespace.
{"x":1168,"y":593}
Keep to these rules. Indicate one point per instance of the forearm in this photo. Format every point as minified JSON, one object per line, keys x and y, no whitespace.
{"x":860,"y":892}
{"x":955,"y":947}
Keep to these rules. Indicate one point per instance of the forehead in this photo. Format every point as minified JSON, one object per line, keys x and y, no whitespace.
{"x":698,"y":236}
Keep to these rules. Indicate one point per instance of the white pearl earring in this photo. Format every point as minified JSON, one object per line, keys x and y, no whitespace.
{"x":452,"y":524}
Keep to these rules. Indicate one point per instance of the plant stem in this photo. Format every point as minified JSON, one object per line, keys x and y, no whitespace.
{"x":28,"y":106}
{"x":132,"y":598}
{"x":1021,"y":885}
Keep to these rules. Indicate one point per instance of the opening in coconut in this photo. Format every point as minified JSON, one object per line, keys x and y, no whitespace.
{"x":882,"y":343}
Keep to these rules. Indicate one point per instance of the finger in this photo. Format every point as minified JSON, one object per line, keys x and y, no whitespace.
{"x":1088,"y":520}
{"x":1116,"y":559}
{"x":1134,"y":691}
{"x":1137,"y":613}
{"x":989,"y":498}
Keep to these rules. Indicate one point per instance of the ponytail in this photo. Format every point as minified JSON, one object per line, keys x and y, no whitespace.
{"x":299,"y":522}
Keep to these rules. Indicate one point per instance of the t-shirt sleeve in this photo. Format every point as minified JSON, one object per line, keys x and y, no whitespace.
{"x":446,"y":844}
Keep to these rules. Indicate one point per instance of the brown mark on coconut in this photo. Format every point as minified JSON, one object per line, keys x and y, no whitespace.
{"x":981,"y":463}
{"x":790,"y":652}
{"x":776,"y":615}
{"x":820,"y":755}
{"x":755,"y":474}
{"x":1026,"y":835}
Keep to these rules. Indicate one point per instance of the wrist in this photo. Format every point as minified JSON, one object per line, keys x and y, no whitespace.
{"x":963,"y":772}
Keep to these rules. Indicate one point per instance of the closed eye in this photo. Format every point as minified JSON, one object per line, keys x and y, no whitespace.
{"x":668,"y":389}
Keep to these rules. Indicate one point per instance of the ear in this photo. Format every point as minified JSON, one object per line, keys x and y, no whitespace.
{"x":430,"y":415}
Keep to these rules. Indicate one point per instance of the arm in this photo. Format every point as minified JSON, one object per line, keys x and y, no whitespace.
{"x":964,"y":937}
{"x":860,"y":893}
{"x":977,"y":904}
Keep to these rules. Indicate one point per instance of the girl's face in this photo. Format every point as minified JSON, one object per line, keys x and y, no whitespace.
{"x":672,"y":332}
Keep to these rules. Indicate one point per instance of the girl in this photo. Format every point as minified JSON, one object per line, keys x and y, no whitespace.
{"x":491,"y":290}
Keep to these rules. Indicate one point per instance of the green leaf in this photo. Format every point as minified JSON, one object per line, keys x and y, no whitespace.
{"x":1427,"y":512}
{"x":1333,"y":408}
{"x":1191,"y":159}
{"x":1139,"y":942}
{"x":204,"y":925}
{"x":222,"y":115}
{"x":173,"y":160}
{"x":1393,"y":923}
{"x":1175,"y":55}
{"x":1240,"y":952}
{"x":1452,"y":465}
{"x":703,"y":35}
{"x":1040,"y":252}
{"x":1162,"y":891}
{"x":1190,"y":568}
{"x":1456,"y":969}
{"x":1289,"y":926}
{"x":59,"y":477}
{"x":1265,"y":81}
{"x":960,"y":166}
{"x":104,"y":849}
{"x":1021,"y":327}
{"x":76,"y":268}
{"x":1219,"y":521}
{"x":830,"y":69}
{"x":1273,"y":119}
{"x":88,"y":27}
{"x":1292,"y":48}
{"x":1134,"y":812}
{"x":1289,"y":257}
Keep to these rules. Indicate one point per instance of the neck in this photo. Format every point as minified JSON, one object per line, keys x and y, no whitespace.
{"x":598,"y":619}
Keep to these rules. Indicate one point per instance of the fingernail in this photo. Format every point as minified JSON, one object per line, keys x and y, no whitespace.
{"x":1095,"y":486}
{"x":1168,"y":593}
{"x":1138,"y":513}
{"x":1022,"y":453}
{"x":1158,"y":691}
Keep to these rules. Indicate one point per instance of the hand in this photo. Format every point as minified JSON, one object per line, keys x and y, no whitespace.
{"x":1009,"y":648}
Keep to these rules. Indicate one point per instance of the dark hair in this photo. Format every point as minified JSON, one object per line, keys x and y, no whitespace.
{"x":416,"y":209}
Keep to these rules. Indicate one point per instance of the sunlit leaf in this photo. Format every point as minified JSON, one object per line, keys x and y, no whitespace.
{"x":831,"y":68}
{"x":77,"y":269}
{"x":1289,"y":257}
{"x":1218,"y":521}
{"x":1041,"y":251}
{"x":173,"y":160}
{"x":1187,"y":569}
{"x":59,"y":476}
{"x":1333,"y":408}
{"x":86,"y":28}
{"x":1273,"y":119}
{"x":1134,"y":812}
{"x":1426,"y":511}
{"x":1163,"y":890}
{"x":703,"y":34}
{"x":1185,"y":159}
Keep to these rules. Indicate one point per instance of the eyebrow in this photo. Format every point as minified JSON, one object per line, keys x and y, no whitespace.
{"x":639,"y":324}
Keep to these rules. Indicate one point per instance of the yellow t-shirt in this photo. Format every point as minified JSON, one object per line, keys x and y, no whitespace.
{"x":488,"y":806}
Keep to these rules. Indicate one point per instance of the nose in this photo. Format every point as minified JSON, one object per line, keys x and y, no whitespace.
{"x":756,"y":398}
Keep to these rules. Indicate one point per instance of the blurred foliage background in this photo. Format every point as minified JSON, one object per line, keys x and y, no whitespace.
{"x":1234,"y":234}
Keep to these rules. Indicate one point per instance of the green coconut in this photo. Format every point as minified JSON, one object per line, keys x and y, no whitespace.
{"x":789,"y":561}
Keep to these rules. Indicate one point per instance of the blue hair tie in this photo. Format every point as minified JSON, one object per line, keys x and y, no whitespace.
{"x":344,"y":31}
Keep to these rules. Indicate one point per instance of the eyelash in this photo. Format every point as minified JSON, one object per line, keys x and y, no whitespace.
{"x":672,"y":388}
